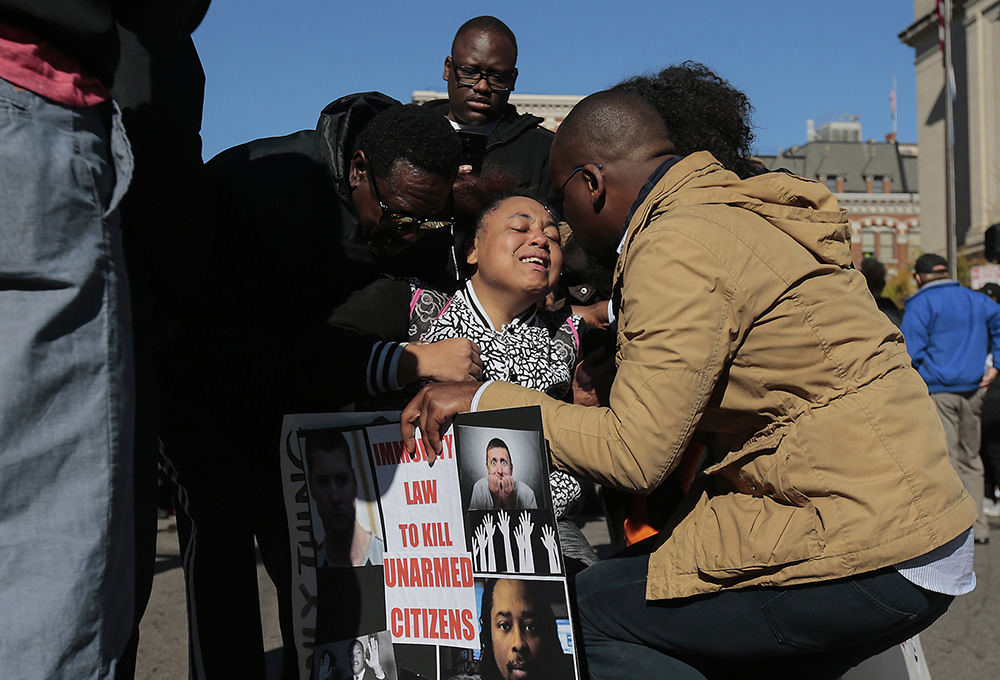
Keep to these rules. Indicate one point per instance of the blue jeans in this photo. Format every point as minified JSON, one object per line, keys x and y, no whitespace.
{"x":815,"y":631}
{"x":66,"y":537}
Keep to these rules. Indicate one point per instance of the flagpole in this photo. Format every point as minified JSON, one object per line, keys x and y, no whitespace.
{"x":895,"y":122}
{"x":949,"y":146}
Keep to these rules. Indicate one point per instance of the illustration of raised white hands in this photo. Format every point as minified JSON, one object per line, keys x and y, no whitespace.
{"x":490,"y":550}
{"x":503,"y":524}
{"x":552,"y":546}
{"x":475,"y":549}
{"x":480,"y":540}
{"x":522,"y":534}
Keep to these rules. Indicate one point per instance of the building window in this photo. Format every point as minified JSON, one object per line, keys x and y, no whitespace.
{"x":913,"y":238}
{"x":878,"y":186}
{"x":830,"y":181}
{"x":886,"y":246}
{"x":867,"y":243}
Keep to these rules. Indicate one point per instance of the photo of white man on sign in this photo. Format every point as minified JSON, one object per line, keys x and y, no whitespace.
{"x":346,"y":525}
{"x":503,"y":478}
{"x":347,"y":533}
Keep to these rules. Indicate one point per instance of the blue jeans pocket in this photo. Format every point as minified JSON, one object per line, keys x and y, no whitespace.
{"x":843,"y":613}
{"x":15,"y":101}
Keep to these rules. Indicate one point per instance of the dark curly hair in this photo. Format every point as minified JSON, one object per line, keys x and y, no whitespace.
{"x":702,"y":112}
{"x":412,"y":133}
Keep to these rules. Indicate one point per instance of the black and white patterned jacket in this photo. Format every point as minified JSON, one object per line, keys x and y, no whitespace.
{"x":538,"y":349}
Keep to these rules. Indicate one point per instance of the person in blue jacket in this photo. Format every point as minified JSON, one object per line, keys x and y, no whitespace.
{"x":950,"y":330}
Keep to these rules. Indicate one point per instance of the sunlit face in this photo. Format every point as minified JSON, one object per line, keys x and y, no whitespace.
{"x":517,"y":640}
{"x":498,"y":462}
{"x":517,"y":249}
{"x":333,"y":487}
{"x":357,"y":657}
{"x":597,"y":232}
{"x":407,"y":190}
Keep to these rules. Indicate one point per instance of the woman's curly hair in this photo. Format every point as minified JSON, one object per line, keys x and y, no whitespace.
{"x":702,"y":112}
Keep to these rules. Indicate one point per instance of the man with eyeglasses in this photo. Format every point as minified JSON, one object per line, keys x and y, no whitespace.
{"x":296,"y":224}
{"x":481,"y":72}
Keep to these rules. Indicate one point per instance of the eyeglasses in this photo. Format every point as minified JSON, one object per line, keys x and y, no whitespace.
{"x":406,"y":224}
{"x":573,"y":172}
{"x":555,"y":204}
{"x":469,"y":76}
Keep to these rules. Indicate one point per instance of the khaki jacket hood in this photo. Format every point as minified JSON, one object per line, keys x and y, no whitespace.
{"x":802,"y":208}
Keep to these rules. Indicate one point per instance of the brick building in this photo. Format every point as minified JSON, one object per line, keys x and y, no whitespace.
{"x":876,"y":182}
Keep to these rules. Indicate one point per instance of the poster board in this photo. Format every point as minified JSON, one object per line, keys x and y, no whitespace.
{"x":407,"y":570}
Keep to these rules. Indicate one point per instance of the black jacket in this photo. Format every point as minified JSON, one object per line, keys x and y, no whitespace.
{"x":85,"y":29}
{"x":519,"y":147}
{"x":284,"y":249}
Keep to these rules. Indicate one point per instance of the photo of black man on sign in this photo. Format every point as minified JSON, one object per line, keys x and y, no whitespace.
{"x":367,"y":657}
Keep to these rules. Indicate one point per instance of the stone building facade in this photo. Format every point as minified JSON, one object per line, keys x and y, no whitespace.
{"x":976,"y":62}
{"x":552,"y":107}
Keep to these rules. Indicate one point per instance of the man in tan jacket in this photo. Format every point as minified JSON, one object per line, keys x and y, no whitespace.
{"x":827,"y":524}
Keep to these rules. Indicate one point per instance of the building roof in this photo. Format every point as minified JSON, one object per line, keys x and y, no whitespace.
{"x":854,"y":161}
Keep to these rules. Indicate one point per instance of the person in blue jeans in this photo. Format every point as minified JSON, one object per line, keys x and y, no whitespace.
{"x":67,"y":547}
{"x":65,"y":369}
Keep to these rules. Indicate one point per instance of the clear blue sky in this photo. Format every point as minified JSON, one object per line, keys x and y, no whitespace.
{"x":272,"y":66}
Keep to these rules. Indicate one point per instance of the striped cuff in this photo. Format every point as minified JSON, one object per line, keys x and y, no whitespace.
{"x":383,"y":365}
{"x":474,"y":406}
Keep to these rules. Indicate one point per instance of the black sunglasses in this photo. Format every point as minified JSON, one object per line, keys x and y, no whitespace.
{"x":469,"y":76}
{"x":403,"y":223}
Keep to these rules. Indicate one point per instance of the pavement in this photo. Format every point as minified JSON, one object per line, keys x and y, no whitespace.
{"x":961,"y":645}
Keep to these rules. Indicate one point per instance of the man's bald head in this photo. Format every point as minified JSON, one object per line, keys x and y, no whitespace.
{"x":613,"y":126}
{"x":604,"y":152}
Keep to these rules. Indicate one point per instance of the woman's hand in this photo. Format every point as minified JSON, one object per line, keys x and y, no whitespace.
{"x":451,"y":360}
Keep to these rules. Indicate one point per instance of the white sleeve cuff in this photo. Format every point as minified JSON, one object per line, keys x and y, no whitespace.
{"x":479,"y":393}
{"x":611,"y":312}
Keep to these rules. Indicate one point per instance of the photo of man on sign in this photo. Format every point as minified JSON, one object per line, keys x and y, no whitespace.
{"x":499,"y":489}
{"x":501,"y":469}
{"x":518,"y":631}
{"x":334,"y":482}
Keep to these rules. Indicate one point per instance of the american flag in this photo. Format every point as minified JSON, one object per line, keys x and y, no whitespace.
{"x":942,"y":7}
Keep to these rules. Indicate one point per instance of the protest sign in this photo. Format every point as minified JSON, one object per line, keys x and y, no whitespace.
{"x":403,"y":569}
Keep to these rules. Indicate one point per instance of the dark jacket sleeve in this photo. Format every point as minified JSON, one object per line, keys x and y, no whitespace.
{"x":381,"y":309}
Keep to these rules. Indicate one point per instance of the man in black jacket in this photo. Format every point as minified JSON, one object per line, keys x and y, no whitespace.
{"x":295,"y":225}
{"x":481,"y":72}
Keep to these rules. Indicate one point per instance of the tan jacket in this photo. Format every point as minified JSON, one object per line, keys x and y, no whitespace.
{"x":740,"y":320}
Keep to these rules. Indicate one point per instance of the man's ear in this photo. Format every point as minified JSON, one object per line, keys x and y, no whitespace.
{"x":593,"y":175}
{"x":358,"y":170}
{"x":447,"y":68}
{"x":513,"y":82}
